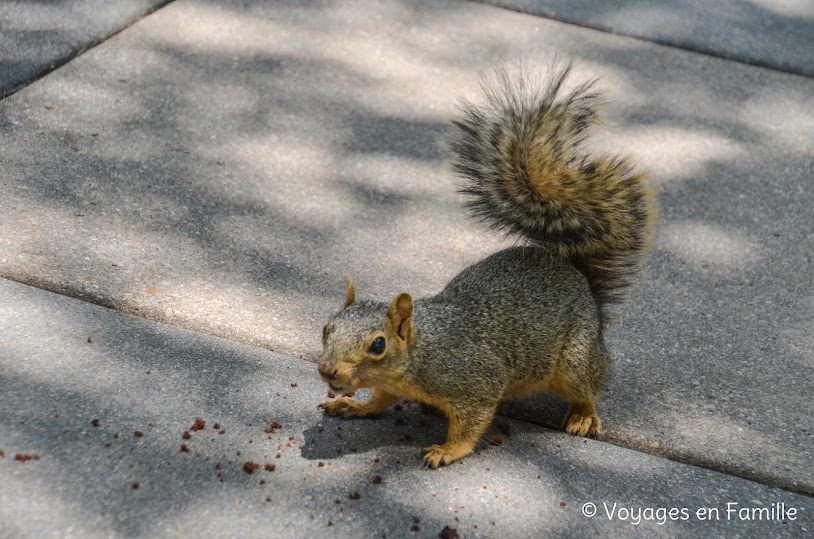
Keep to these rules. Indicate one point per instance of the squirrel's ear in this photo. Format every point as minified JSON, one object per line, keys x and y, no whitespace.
{"x":401,"y":316}
{"x":350,"y":296}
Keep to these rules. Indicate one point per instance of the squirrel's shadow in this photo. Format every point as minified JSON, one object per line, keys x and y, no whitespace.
{"x":414,"y":425}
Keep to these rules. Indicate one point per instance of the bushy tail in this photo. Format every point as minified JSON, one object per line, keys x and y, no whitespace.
{"x":527,"y":173}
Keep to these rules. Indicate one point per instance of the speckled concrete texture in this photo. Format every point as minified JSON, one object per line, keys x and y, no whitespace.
{"x":224,"y":166}
{"x":104,"y":399}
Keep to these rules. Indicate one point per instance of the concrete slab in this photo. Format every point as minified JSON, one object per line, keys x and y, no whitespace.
{"x":778,"y":35}
{"x":78,"y":383}
{"x":37,"y":37}
{"x":224,"y":167}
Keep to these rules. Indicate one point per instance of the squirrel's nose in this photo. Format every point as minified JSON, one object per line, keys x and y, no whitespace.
{"x":327,"y":372}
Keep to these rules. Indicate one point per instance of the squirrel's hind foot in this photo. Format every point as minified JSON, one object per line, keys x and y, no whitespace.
{"x":581,"y":420}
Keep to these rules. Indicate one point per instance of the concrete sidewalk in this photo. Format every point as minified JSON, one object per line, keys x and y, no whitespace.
{"x":224,"y":166}
{"x":79,"y":383}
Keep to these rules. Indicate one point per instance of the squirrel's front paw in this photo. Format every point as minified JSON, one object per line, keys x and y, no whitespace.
{"x":346,"y":406}
{"x":447,"y":453}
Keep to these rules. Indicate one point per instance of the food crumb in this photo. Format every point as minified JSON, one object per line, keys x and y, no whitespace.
{"x":330,"y":522}
{"x":320,"y":465}
{"x":271,"y":428}
{"x":138,"y":434}
{"x":269,"y":467}
{"x":198,"y":425}
{"x":25,"y":457}
{"x":222,"y":431}
{"x":216,"y":425}
{"x":415,"y":528}
{"x":293,"y":385}
{"x":354,"y":496}
{"x":377,"y":479}
{"x":186,"y":435}
{"x":134,"y":486}
{"x":2,"y":453}
{"x":184,"y":448}
{"x":449,"y":533}
{"x":249,"y":467}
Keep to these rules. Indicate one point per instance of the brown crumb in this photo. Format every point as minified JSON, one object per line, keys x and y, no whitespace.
{"x":262,"y":481}
{"x":134,"y":486}
{"x":320,"y":465}
{"x":95,"y":423}
{"x":278,"y":455}
{"x":90,"y":340}
{"x":562,"y":504}
{"x":186,"y":435}
{"x":184,"y":448}
{"x":415,"y":528}
{"x":115,"y":435}
{"x":216,"y":425}
{"x":198,"y":425}
{"x":217,"y":466}
{"x":376,"y":460}
{"x":354,"y":495}
{"x":237,"y":452}
{"x":25,"y":457}
{"x":222,"y":431}
{"x":330,"y":523}
{"x":2,"y":453}
{"x":271,"y":428}
{"x":449,"y":533}
{"x":138,"y":434}
{"x":268,"y":499}
{"x":377,"y":479}
{"x":249,"y":467}
{"x":293,"y":385}
{"x":269,"y":467}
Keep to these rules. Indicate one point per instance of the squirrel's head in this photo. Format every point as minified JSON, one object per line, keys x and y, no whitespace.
{"x":364,"y":344}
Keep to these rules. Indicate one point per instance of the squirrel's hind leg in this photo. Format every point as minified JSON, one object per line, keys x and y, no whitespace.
{"x":578,"y":376}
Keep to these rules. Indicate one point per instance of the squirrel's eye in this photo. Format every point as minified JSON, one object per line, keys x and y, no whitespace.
{"x":377,"y":346}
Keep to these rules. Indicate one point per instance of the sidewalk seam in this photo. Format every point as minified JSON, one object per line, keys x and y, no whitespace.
{"x":59,"y":62}
{"x":678,"y":44}
{"x":100,"y":302}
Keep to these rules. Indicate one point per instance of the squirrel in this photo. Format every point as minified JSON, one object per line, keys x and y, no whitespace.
{"x":525,"y":319}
